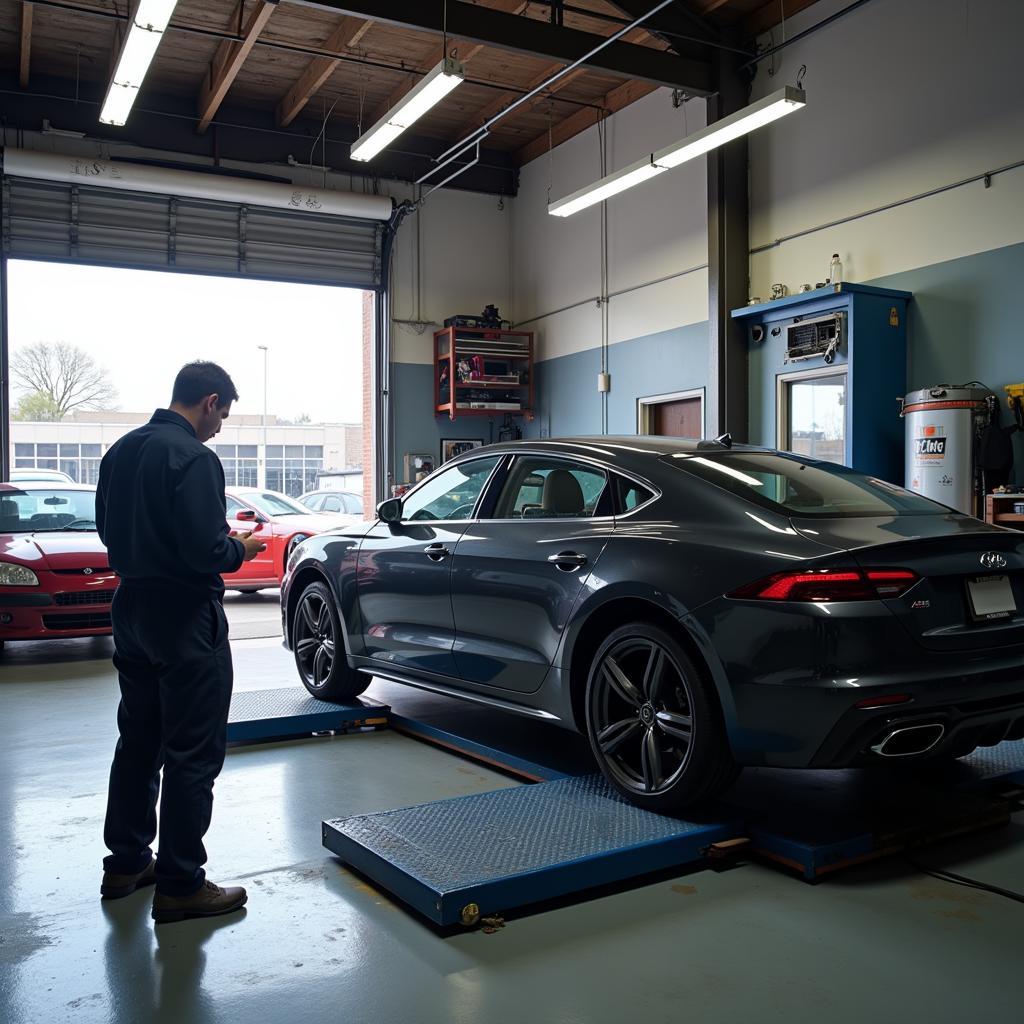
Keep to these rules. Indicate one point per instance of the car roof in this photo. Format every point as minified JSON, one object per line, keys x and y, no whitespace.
{"x":614,"y":447}
{"x":326,"y":490}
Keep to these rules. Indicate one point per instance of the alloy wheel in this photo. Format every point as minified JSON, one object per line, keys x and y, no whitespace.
{"x":314,"y":639}
{"x":641,"y":715}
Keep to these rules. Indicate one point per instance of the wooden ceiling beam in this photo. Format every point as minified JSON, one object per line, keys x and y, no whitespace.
{"x":228,"y":61}
{"x":26,"y":44}
{"x":537,"y":38}
{"x":616,"y":99}
{"x":707,"y":6}
{"x":346,"y":36}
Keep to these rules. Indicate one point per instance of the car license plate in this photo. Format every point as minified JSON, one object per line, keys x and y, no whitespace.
{"x":991,"y":597}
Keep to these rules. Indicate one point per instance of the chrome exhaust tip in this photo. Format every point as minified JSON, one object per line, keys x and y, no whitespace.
{"x":909,"y":740}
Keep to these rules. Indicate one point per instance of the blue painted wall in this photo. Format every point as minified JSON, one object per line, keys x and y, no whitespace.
{"x":416,"y":429}
{"x":568,"y":401}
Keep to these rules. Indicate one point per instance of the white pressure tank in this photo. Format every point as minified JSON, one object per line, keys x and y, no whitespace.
{"x":941,"y":425}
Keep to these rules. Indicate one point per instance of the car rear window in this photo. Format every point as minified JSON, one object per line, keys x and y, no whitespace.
{"x":801,"y":487}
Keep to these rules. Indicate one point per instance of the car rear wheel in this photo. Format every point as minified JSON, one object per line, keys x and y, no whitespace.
{"x":320,"y":648}
{"x":654,"y":723}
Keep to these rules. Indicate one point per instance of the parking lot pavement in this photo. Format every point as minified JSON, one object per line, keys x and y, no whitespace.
{"x":253,"y":615}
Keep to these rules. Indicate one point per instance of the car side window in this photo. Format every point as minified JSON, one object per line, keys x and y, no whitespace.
{"x":352,"y":504}
{"x":542,"y":487}
{"x":331,"y":503}
{"x":630,"y":494}
{"x":450,"y":494}
{"x":233,"y":508}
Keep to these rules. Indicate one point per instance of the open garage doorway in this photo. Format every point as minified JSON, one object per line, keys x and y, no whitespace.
{"x":94,"y":350}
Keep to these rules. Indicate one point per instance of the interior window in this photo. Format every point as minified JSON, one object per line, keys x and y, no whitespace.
{"x":631,"y":494}
{"x":452,"y":494}
{"x":541,"y":487}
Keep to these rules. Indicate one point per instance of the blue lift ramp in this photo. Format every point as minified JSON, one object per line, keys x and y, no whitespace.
{"x":290,"y":712}
{"x":455,"y":860}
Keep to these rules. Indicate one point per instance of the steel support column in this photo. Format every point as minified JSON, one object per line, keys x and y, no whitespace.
{"x":728,"y":261}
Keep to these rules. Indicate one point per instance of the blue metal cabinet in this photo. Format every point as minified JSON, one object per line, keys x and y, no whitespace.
{"x":873,"y":354}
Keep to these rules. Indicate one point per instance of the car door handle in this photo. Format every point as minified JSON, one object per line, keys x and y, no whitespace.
{"x":436,"y":552}
{"x":567,"y":561}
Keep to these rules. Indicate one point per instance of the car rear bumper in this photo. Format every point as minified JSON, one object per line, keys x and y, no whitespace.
{"x":792,"y":678}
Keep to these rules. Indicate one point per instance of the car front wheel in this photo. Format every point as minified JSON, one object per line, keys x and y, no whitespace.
{"x":320,"y":648}
{"x":654,"y":723}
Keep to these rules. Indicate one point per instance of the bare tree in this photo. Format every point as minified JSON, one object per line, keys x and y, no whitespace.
{"x":67,"y":374}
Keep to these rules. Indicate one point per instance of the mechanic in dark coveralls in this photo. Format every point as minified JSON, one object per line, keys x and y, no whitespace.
{"x":160,"y":511}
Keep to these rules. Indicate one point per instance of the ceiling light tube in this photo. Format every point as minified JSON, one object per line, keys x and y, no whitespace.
{"x":413,"y":105}
{"x":758,"y":114}
{"x":149,"y":21}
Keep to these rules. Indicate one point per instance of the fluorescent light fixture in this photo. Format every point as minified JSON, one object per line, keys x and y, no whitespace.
{"x":410,"y":108}
{"x":758,"y":114}
{"x":149,"y":21}
{"x":642,"y":170}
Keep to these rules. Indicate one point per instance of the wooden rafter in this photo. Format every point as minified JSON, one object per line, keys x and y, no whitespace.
{"x":26,"y":44}
{"x":347,"y":35}
{"x":616,"y":99}
{"x":707,"y":6}
{"x":228,"y":60}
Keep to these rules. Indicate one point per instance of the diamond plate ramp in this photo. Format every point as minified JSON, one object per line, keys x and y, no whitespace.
{"x":291,"y":711}
{"x":515,"y":846}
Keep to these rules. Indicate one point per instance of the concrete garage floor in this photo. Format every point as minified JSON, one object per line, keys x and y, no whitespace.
{"x":317,"y":943}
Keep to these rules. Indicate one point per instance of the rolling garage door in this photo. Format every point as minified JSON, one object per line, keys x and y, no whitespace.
{"x":84,"y":224}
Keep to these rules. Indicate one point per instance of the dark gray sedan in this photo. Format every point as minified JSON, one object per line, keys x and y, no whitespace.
{"x":692,"y":607}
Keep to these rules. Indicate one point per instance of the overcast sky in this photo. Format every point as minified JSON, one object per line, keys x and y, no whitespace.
{"x":143,"y":325}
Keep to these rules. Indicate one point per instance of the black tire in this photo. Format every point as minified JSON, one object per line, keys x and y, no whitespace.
{"x":320,"y":649}
{"x":654,"y":722}
{"x":246,"y":590}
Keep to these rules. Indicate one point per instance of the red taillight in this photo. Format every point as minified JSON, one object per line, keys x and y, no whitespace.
{"x":829,"y":585}
{"x":883,"y":702}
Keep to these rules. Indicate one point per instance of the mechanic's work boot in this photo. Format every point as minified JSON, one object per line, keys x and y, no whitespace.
{"x":114,"y":887}
{"x":209,"y":901}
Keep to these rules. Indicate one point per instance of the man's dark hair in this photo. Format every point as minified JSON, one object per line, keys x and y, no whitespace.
{"x":197,"y":380}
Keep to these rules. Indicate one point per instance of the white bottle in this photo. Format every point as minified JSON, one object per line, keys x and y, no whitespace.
{"x":835,"y":270}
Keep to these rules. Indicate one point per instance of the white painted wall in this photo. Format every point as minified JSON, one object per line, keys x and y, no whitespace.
{"x":655,"y":230}
{"x":463,"y":240}
{"x":903,"y":97}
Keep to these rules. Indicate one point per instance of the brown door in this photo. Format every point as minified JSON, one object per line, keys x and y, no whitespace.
{"x":677,"y":418}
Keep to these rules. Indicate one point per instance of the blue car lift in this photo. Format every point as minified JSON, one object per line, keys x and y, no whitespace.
{"x":290,"y":712}
{"x":458,"y":859}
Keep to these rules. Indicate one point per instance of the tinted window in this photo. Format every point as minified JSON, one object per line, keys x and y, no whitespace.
{"x":630,"y":494}
{"x":450,"y":494}
{"x":802,"y":488}
{"x":541,"y":487}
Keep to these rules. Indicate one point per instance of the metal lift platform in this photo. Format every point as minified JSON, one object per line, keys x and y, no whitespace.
{"x":453,"y":860}
{"x":290,"y":712}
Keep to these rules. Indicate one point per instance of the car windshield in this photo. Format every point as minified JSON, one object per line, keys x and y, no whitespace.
{"x":272,"y":504}
{"x":802,"y":487}
{"x":46,"y":510}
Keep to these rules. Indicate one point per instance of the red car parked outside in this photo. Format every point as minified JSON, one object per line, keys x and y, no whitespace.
{"x":282,"y":523}
{"x":55,"y":580}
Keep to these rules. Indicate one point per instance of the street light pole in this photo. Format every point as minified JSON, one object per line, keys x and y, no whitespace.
{"x":265,"y":355}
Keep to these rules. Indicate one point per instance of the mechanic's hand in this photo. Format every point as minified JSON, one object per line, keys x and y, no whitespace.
{"x":253,"y":545}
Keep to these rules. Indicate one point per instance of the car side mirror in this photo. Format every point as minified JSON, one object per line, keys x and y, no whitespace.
{"x":247,"y":516}
{"x":390,"y":511}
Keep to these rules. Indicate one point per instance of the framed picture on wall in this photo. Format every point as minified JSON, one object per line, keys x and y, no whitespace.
{"x":417,"y":467}
{"x":452,"y":446}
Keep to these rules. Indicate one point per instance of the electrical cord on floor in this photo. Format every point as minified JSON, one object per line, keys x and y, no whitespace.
{"x":970,"y":883}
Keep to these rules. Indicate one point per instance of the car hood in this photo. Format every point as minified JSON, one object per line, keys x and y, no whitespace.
{"x":315,"y":522}
{"x":852,"y":532}
{"x":78,"y":550}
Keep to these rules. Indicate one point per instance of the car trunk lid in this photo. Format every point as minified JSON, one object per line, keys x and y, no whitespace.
{"x":949,"y":553}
